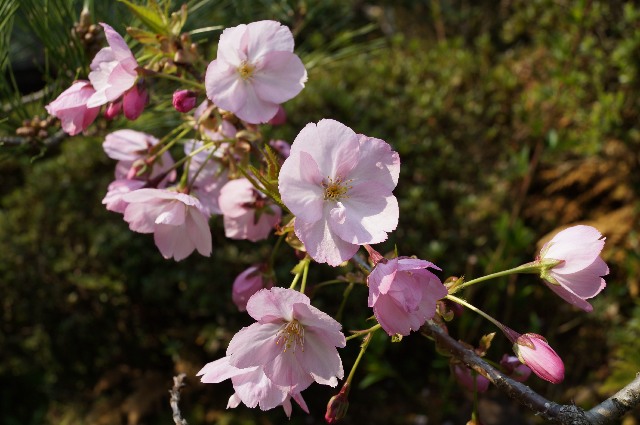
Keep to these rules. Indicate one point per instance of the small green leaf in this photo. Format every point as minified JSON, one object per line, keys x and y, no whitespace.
{"x":150,"y":17}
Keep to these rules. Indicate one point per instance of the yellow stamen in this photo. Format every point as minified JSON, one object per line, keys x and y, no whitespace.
{"x":246,"y":70}
{"x":291,"y":334}
{"x":336,"y":189}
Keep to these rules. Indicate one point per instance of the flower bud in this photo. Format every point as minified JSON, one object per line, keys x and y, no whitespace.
{"x":248,"y":283}
{"x":469,"y":379}
{"x":513,"y":367}
{"x":280,"y":117}
{"x":337,"y":406}
{"x":533,"y":350}
{"x":184,"y":100}
{"x":113,"y":110}
{"x":134,"y":101}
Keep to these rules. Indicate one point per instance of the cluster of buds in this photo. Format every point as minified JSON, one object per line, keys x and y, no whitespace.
{"x":89,"y":34}
{"x":36,"y":128}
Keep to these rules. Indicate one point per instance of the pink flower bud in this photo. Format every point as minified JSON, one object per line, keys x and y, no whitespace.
{"x":184,"y":100}
{"x":280,"y":117}
{"x":113,"y":110}
{"x":134,"y":101}
{"x":337,"y":406}
{"x":513,"y":367}
{"x":469,"y":379}
{"x":246,"y":284}
{"x":533,"y":350}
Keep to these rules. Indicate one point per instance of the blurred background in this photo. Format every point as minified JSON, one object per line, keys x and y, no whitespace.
{"x":512,"y":120}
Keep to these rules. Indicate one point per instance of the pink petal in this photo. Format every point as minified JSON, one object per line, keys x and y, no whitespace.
{"x":586,"y":283}
{"x":570,"y":297}
{"x":321,"y":360}
{"x":127,"y":145}
{"x":300,"y":185}
{"x":220,"y":370}
{"x":267,"y":36}
{"x":173,"y":213}
{"x":275,"y":304}
{"x":286,"y":371}
{"x":578,"y":246}
{"x":281,"y":77}
{"x":320,"y":324}
{"x":254,"y":345}
{"x":199,"y":231}
{"x":255,"y":109}
{"x":392,"y":317}
{"x":377,"y":162}
{"x":230,"y":47}
{"x":224,"y":86}
{"x":331,"y":144}
{"x":172,"y":241}
{"x":254,"y":388}
{"x":367,"y":215}
{"x":322,"y":244}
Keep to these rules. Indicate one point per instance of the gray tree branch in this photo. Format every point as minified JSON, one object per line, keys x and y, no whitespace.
{"x":607,"y":412}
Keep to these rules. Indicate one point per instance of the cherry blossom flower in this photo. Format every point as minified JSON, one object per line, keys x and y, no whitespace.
{"x":136,"y":161}
{"x":533,"y":351}
{"x":248,"y":283}
{"x":282,"y":147}
{"x":113,"y":69}
{"x":248,"y":214}
{"x":177,"y":221}
{"x":469,"y":379}
{"x":403,"y":294}
{"x":255,"y":71}
{"x":578,"y":276}
{"x":252,"y":387}
{"x":279,"y":118}
{"x":293,"y":342}
{"x":339,"y":186}
{"x":71,"y":108}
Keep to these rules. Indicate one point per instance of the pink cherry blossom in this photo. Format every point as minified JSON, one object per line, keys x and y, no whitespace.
{"x":533,"y":351}
{"x":71,"y":108}
{"x":280,"y":117}
{"x":248,"y":283}
{"x":293,"y":342}
{"x":252,"y":387}
{"x":178,"y":224}
{"x":282,"y":147}
{"x":579,"y":275}
{"x":403,"y":294}
{"x":134,"y":152}
{"x":117,"y":189}
{"x":255,"y":71}
{"x":469,"y":379}
{"x":339,"y":186}
{"x":113,"y":109}
{"x":113,"y":69}
{"x":248,"y":214}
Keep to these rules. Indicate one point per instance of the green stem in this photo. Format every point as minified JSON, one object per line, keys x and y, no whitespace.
{"x":345,"y":296}
{"x":194,"y":84}
{"x":272,"y":257}
{"x":305,"y":272}
{"x":363,"y":348}
{"x":533,"y":267}
{"x":364,"y":332}
{"x":304,"y":263}
{"x":475,"y":309}
{"x":168,"y":146}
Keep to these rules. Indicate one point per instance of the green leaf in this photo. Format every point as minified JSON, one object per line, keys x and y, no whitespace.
{"x":149,"y":15}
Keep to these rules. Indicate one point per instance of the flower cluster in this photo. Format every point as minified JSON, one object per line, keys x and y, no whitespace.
{"x":333,"y":190}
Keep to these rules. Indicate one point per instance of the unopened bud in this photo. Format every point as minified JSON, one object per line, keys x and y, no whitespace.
{"x":184,"y":100}
{"x":113,"y":110}
{"x":338,"y":406}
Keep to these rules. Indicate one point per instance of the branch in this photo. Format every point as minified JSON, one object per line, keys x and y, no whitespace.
{"x":178,"y":383}
{"x":610,"y":410}
{"x":49,"y":142}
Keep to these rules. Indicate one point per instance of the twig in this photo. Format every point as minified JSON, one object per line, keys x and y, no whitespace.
{"x":607,"y":412}
{"x":178,"y":383}
{"x":49,"y":142}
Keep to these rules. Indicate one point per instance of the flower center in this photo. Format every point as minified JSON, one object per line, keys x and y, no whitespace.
{"x":335,"y":190}
{"x":291,"y":334}
{"x":246,"y":70}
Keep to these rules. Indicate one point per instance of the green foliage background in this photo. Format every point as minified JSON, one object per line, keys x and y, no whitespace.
{"x":511,"y":119}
